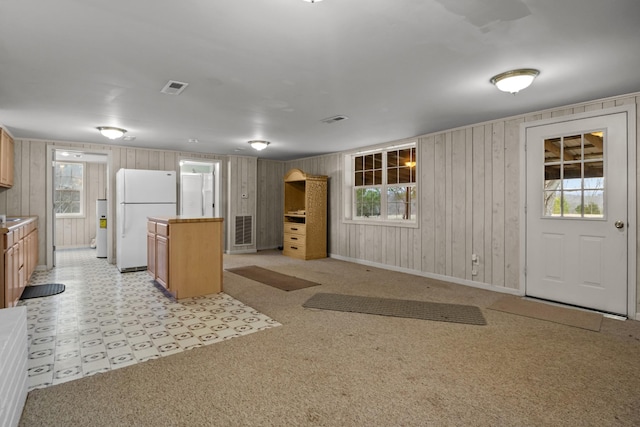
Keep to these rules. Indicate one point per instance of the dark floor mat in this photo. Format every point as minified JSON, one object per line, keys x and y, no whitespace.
{"x":456,"y":313}
{"x":38,"y":291}
{"x":272,"y":278}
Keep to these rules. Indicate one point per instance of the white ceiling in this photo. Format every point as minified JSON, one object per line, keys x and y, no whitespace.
{"x":273,"y":69}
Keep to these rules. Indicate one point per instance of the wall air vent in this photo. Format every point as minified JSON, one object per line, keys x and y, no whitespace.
{"x":174,"y":88}
{"x":334,"y":119}
{"x":244,"y":230}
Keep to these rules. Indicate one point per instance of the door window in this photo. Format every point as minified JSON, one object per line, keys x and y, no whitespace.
{"x":574,"y":176}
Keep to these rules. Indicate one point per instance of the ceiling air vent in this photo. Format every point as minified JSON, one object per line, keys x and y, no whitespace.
{"x":334,"y":119}
{"x":174,"y":87}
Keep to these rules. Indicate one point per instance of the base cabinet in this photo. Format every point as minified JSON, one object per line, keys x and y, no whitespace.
{"x":187,"y":255}
{"x":20,"y":249}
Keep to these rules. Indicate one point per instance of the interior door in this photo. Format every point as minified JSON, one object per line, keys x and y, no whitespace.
{"x":576,"y":212}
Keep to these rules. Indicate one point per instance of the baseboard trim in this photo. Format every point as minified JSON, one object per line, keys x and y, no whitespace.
{"x":444,"y":278}
{"x":243,"y":251}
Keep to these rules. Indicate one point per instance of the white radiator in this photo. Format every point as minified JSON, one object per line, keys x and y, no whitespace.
{"x":13,"y":364}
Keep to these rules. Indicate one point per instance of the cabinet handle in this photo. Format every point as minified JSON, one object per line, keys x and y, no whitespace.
{"x":293,"y":247}
{"x":294,"y":238}
{"x":294,"y":229}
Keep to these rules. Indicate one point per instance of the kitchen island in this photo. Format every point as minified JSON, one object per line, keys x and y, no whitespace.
{"x":184,"y":254}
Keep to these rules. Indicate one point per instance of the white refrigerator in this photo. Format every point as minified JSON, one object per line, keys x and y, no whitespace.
{"x":139,"y":195}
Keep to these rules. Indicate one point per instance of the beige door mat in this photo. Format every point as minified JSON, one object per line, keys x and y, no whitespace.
{"x":552,"y":313}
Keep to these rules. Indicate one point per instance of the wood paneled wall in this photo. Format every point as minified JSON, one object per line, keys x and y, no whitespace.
{"x":78,"y":232}
{"x":270,"y":199}
{"x":242,"y":200}
{"x":469,"y":186}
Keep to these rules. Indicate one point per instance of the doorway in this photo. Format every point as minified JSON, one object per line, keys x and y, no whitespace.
{"x":199,"y":188}
{"x":76,"y":179}
{"x":579,"y":206}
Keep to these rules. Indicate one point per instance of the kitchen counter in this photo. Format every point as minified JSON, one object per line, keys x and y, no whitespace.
{"x":14,"y":223}
{"x":178,"y":219}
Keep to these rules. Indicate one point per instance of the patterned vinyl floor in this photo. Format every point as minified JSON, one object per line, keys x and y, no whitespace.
{"x":107,"y":320}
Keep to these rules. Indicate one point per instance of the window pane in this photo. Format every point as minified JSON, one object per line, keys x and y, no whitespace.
{"x":407,"y":157}
{"x":377,"y":160}
{"x":552,"y":150}
{"x":358,"y":163}
{"x":404,"y":174}
{"x":552,"y":172}
{"x":572,"y":203}
{"x":368,"y":178}
{"x":392,"y":159}
{"x":359,"y":178}
{"x":68,"y":187}
{"x":401,"y":202}
{"x":552,"y":205}
{"x":377,"y":176}
{"x":572,"y":171}
{"x":593,"y":203}
{"x":572,"y":146}
{"x":594,"y":170}
{"x":367,"y":203}
{"x":594,"y":145}
{"x":392,"y":176}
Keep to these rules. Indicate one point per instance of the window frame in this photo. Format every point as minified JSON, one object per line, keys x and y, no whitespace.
{"x":350,"y":187}
{"x":82,"y":202}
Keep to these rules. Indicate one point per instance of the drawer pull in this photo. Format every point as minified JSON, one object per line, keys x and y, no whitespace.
{"x":293,"y":247}
{"x":294,"y":238}
{"x":294,"y":229}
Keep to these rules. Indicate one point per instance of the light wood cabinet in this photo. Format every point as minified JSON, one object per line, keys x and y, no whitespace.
{"x":6,"y":159}
{"x":305,"y":215}
{"x":20,"y":249}
{"x":187,"y":255}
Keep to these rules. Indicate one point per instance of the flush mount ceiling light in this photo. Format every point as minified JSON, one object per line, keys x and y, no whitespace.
{"x":258,"y":144}
{"x":111,"y":132}
{"x":515,"y":80}
{"x":313,"y":1}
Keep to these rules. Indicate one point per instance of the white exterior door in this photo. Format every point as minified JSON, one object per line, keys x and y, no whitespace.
{"x":576,"y":212}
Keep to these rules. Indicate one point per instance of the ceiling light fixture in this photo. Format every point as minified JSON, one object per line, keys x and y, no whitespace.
{"x":259,"y":145}
{"x":313,"y":1}
{"x":111,"y":132}
{"x":515,"y":80}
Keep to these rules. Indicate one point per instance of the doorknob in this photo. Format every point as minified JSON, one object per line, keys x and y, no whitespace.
{"x":619,"y":224}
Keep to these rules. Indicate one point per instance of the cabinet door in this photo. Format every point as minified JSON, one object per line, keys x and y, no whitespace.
{"x":162,"y":261}
{"x":6,"y":160}
{"x":9,"y":285}
{"x":17,"y":288}
{"x":151,"y":254}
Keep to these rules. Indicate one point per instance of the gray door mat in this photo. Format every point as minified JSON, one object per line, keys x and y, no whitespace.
{"x":456,"y":313}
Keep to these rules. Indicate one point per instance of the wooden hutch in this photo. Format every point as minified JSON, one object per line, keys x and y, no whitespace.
{"x":305,"y":215}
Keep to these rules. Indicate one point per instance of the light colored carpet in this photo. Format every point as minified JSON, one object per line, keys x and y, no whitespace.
{"x":329,"y":368}
{"x":551,"y":313}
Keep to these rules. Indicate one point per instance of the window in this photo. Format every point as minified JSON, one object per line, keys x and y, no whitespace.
{"x":574,"y":176}
{"x":68,"y":181}
{"x":384,"y":185}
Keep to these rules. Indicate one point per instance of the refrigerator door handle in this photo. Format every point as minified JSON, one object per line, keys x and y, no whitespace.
{"x":124,"y":218}
{"x":202,"y":191}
